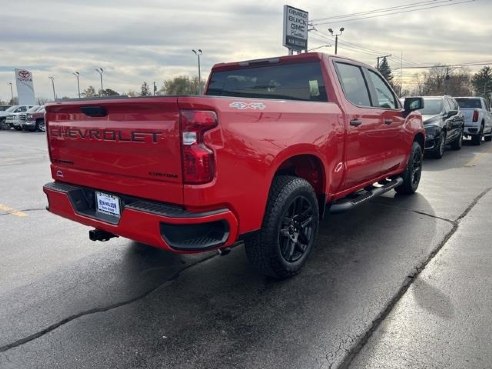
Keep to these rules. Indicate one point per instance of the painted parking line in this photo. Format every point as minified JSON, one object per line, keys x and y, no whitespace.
{"x":12,"y":211}
{"x":477,"y":158}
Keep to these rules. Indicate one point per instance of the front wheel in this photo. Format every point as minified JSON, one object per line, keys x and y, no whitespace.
{"x":282,"y":246}
{"x":458,"y":142}
{"x":440,"y":146}
{"x":413,"y":171}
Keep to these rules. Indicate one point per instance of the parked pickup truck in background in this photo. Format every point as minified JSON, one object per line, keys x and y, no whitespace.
{"x":478,"y":119}
{"x":10,"y":113}
{"x":33,"y":119}
{"x":273,"y":145}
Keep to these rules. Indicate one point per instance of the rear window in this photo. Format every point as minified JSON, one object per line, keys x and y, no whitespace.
{"x":469,"y":103}
{"x":432,"y":107}
{"x":301,"y":81}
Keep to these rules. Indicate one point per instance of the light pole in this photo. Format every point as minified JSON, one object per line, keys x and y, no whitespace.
{"x":336,"y":37}
{"x":53,"y":85}
{"x":100,"y":71}
{"x":11,"y":93}
{"x":198,"y":52}
{"x":77,"y":74}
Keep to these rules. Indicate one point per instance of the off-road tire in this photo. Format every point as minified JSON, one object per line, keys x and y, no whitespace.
{"x":275,"y":250}
{"x":458,"y":143}
{"x":413,"y":171}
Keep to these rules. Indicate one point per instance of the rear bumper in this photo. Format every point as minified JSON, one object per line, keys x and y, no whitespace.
{"x":471,"y":130}
{"x":157,"y":224}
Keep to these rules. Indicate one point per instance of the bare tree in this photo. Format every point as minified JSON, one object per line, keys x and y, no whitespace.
{"x":182,"y":85}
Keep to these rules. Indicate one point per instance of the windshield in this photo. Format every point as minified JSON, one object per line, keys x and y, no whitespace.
{"x":469,"y":103}
{"x":12,"y":108}
{"x":34,"y":109}
{"x":432,"y":107}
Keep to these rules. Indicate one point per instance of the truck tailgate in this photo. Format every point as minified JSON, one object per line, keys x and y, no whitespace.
{"x":128,"y":146}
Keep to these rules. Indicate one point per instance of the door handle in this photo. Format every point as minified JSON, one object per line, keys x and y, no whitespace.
{"x":355,"y":122}
{"x":388,"y":121}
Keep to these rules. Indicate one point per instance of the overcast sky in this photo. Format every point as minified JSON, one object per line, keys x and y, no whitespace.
{"x":151,"y":40}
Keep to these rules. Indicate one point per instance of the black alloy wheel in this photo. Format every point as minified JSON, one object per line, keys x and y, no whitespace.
{"x":413,"y":172}
{"x":297,"y":229}
{"x":282,"y":245}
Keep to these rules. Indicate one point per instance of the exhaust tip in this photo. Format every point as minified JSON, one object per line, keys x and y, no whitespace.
{"x":100,"y":235}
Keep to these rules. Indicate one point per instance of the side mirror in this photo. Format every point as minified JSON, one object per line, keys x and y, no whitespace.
{"x":413,"y":103}
{"x":452,"y":113}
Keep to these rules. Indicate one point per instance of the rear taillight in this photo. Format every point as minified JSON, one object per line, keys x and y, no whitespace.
{"x":198,"y":159}
{"x":475,"y":116}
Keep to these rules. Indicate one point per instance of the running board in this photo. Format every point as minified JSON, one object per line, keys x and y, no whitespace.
{"x":361,"y":197}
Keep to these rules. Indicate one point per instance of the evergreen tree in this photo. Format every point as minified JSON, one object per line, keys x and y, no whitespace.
{"x":482,"y":82}
{"x":385,"y":70}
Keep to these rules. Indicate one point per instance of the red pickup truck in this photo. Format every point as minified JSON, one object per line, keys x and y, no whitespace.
{"x":273,"y":145}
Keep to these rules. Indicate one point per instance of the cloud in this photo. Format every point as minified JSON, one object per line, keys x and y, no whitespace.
{"x":151,"y":40}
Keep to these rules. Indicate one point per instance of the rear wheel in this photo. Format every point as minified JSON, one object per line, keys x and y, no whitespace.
{"x":282,"y":246}
{"x":477,"y":139}
{"x":458,"y":142}
{"x":413,"y":172}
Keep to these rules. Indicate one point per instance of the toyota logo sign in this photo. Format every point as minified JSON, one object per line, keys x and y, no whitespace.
{"x":24,"y":75}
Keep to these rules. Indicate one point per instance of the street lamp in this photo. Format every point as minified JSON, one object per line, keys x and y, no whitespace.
{"x":11,"y":93}
{"x":77,"y":74}
{"x":100,"y":71}
{"x":53,"y":85}
{"x":198,"y":52}
{"x":336,"y":37}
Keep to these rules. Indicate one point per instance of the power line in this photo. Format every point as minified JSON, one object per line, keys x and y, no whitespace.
{"x":348,"y":19}
{"x":392,"y":8}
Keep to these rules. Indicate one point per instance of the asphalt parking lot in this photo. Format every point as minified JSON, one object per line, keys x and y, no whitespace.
{"x":67,"y":302}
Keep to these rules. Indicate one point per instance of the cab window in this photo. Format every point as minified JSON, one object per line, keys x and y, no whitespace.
{"x":386,"y":98}
{"x":353,"y":84}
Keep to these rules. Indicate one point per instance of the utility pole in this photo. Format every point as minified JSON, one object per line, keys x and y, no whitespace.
{"x":100,"y":71}
{"x":336,"y":37}
{"x":77,"y":74}
{"x":53,"y":85}
{"x":198,"y":52}
{"x":379,"y":58}
{"x":155,"y":88}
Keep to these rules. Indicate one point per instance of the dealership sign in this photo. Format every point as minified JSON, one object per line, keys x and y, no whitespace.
{"x":25,"y":88}
{"x":295,"y":28}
